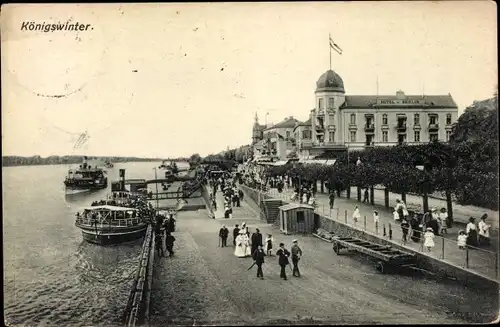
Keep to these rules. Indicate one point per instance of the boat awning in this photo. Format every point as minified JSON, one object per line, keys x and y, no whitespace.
{"x":110,"y":208}
{"x":318,"y":161}
{"x":280,"y":163}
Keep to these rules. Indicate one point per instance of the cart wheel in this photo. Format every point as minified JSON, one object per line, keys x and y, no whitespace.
{"x":336,"y":249}
{"x":380,"y":267}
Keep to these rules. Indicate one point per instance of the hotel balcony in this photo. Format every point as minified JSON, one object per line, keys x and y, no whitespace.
{"x":370,"y":128}
{"x":433,"y":127}
{"x":401,"y":128}
{"x":320,"y":128}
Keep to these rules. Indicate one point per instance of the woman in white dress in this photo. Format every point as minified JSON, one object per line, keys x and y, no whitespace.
{"x":356,"y":215}
{"x":239,"y":250}
{"x":246,"y":245}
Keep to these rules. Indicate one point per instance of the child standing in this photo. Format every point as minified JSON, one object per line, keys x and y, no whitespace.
{"x":462,"y":240}
{"x":395,"y":214}
{"x":405,"y":226}
{"x":376,"y":219}
{"x":429,"y":239}
{"x":268,"y":244}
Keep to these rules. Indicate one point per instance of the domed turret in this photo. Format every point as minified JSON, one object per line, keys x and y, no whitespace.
{"x":330,"y":81}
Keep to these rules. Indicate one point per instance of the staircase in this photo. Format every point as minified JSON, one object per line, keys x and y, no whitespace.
{"x":270,"y":210}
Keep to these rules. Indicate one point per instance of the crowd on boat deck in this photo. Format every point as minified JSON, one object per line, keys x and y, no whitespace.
{"x":124,"y":200}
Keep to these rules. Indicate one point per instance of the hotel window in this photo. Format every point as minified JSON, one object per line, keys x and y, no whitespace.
{"x":416,"y":135}
{"x":331,"y":101}
{"x":384,"y":136}
{"x":433,"y":119}
{"x":306,"y":134}
{"x":433,"y":137}
{"x":287,"y":135}
{"x":331,"y":136}
{"x":448,"y":136}
{"x":384,"y":119}
{"x":320,"y":103}
{"x":353,"y":119}
{"x":416,"y":119}
{"x":448,"y":119}
{"x":353,"y":136}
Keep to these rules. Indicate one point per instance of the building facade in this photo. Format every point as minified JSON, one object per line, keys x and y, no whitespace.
{"x":341,"y":122}
{"x":276,"y":141}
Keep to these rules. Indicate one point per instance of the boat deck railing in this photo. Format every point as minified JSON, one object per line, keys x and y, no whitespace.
{"x":125,"y":222}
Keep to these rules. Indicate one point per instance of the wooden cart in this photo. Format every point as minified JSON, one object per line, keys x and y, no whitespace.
{"x":388,"y":257}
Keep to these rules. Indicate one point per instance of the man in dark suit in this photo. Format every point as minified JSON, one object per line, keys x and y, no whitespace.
{"x":256,"y":240}
{"x":236,"y":232}
{"x":283,"y":255}
{"x":258,"y":257}
{"x":296,"y":255}
{"x":223,"y":234}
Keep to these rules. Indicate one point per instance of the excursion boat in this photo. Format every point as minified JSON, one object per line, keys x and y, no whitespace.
{"x":107,"y":224}
{"x":85,"y":179}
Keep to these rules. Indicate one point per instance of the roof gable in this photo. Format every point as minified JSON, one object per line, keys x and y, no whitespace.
{"x":289,"y":122}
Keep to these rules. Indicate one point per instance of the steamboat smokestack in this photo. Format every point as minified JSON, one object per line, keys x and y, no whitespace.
{"x":122,"y":179}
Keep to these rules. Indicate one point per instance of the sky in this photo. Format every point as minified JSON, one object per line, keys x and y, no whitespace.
{"x":169,"y":80}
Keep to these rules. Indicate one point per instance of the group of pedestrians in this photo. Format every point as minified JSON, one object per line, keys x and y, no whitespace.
{"x":246,"y":245}
{"x":163,"y":228}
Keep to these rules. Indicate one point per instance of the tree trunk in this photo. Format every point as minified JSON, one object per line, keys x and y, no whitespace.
{"x":359,"y":192}
{"x":315,"y":186}
{"x":386,"y":197}
{"x":449,"y":205}
{"x":403,"y":197}
{"x":338,"y":193}
{"x":372,"y":195}
{"x":426,"y":202}
{"x":348,"y":195}
{"x":322,"y":186}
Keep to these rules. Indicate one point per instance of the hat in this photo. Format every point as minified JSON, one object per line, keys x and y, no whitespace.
{"x":429,"y":229}
{"x":282,"y":244}
{"x":242,"y":232}
{"x":433,"y":209}
{"x":294,"y":241}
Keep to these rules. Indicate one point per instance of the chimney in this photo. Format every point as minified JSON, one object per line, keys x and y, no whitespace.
{"x":122,"y":179}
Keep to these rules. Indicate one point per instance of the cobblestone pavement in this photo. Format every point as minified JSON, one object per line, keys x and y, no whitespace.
{"x":480,"y":261}
{"x":204,"y":283}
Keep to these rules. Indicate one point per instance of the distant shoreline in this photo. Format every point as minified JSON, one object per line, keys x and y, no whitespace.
{"x":68,"y":163}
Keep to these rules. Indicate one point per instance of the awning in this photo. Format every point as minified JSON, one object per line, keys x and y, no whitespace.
{"x":111,"y":208}
{"x":281,"y":163}
{"x":318,"y":161}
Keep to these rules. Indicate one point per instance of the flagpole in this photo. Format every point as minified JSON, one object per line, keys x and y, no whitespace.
{"x":330,"y":47}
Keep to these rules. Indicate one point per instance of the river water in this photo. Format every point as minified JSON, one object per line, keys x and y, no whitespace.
{"x":51,"y":276}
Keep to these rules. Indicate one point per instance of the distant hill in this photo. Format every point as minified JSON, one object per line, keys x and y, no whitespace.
{"x":60,"y":160}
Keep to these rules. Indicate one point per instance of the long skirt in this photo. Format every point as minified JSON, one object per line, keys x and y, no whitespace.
{"x":483,"y":240}
{"x":472,"y":238}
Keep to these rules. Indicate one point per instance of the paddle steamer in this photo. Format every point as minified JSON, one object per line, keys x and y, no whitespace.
{"x":85,"y":179}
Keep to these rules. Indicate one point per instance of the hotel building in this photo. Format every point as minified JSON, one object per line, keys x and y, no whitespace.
{"x":341,"y":122}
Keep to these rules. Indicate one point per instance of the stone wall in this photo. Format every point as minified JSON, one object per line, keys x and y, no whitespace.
{"x":137,"y":309}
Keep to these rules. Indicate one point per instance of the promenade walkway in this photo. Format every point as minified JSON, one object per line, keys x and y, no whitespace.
{"x":480,"y":261}
{"x":461,"y":213}
{"x":206,"y":284}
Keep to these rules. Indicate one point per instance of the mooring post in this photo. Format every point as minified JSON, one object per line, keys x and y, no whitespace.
{"x":390,"y":231}
{"x":385,"y":234}
{"x":365,"y":223}
{"x":346,"y":216}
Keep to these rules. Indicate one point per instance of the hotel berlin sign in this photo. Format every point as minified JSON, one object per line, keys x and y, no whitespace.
{"x":400,"y":102}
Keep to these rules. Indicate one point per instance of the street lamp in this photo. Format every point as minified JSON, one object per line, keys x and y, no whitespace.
{"x":156,"y":183}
